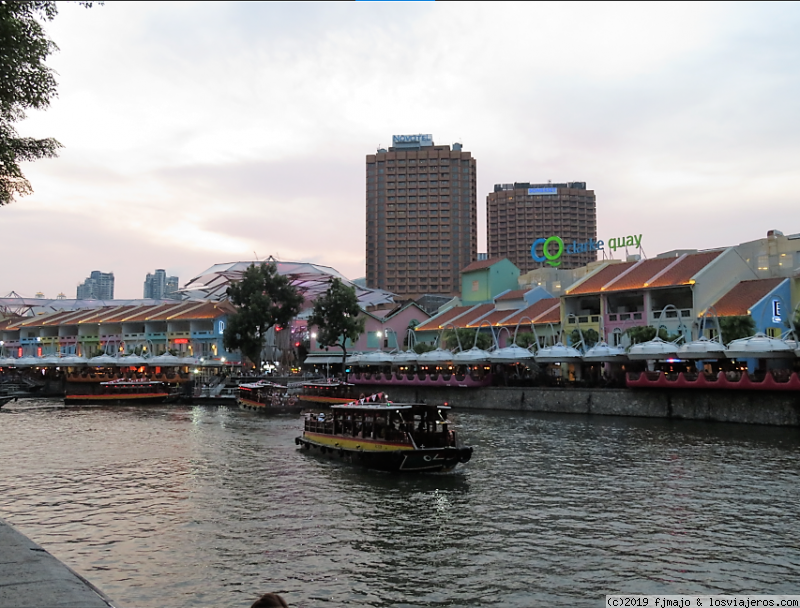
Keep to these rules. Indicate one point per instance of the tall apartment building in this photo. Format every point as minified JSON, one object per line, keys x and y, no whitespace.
{"x":520,"y":214}
{"x":97,"y":286}
{"x":159,"y":286}
{"x":422,"y":226}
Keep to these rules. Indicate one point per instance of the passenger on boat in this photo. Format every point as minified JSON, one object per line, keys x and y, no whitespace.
{"x":270,"y":600}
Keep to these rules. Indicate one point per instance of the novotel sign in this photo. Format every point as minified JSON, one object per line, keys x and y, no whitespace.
{"x":421,"y":139}
{"x":541,"y":191}
{"x":553,"y":247}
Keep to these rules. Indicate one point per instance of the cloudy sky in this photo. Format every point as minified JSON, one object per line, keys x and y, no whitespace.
{"x":203,"y":133}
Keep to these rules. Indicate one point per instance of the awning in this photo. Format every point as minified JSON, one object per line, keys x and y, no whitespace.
{"x":322,"y":359}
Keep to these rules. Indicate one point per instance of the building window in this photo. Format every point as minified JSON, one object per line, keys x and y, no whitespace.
{"x":474,"y":285}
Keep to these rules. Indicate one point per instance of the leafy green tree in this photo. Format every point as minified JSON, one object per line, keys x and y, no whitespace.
{"x":590,"y":337}
{"x":735,"y":327}
{"x":337,"y":317}
{"x":423,"y":347}
{"x":263,"y":299}
{"x":25,"y":83}
{"x":645,"y":333}
{"x":525,"y":339}
{"x":466,"y":337}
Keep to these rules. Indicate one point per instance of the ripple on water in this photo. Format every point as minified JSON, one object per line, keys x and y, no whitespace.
{"x":200,"y":506}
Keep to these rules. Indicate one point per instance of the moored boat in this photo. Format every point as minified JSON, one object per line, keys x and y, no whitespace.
{"x":122,"y":391}
{"x":409,"y":437}
{"x":328,"y":392}
{"x":267,"y":397}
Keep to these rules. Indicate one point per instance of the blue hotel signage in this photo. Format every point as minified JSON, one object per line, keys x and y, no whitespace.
{"x":540,"y":191}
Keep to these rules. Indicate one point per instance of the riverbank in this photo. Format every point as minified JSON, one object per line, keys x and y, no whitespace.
{"x":745,"y":407}
{"x":31,"y":578}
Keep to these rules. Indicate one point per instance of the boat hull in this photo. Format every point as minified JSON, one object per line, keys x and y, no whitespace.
{"x":137,"y":399}
{"x":262,"y":408}
{"x":385,"y":456}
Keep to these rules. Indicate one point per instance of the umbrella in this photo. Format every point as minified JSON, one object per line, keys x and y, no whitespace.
{"x":376,"y":357}
{"x":602,"y":352}
{"x":439,"y":355}
{"x":471,"y":356}
{"x":510,"y":354}
{"x":654,"y":349}
{"x":702,"y":348}
{"x":102,"y":361}
{"x":556,"y":353}
{"x":759,"y":347}
{"x":405,"y":357}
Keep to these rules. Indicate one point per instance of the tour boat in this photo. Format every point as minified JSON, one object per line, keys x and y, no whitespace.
{"x":327,"y":392}
{"x":122,"y":391}
{"x":408,"y":437}
{"x":267,"y":397}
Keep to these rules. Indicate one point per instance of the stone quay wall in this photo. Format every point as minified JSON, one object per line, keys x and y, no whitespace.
{"x":775,"y":408}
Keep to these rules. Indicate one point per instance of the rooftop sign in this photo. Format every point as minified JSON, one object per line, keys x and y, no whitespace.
{"x":540,"y":191}
{"x":417,"y":140}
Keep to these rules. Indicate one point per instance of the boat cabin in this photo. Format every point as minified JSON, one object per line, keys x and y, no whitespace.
{"x":416,"y":424}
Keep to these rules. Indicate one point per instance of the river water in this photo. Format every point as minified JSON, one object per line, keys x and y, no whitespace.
{"x":166,"y":506}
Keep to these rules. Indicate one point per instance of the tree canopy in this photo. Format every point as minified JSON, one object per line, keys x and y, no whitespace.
{"x":263,"y":299}
{"x":735,"y":327}
{"x":466,"y":338}
{"x":25,"y":83}
{"x":336,"y":316}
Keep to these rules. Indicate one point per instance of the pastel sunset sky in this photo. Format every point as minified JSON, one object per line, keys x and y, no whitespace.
{"x":200,"y":133}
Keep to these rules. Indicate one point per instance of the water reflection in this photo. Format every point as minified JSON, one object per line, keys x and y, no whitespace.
{"x":196,"y":506}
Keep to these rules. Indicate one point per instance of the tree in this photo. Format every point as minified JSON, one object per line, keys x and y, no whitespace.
{"x":25,"y":83}
{"x":590,"y":337}
{"x":735,"y":327}
{"x":263,"y":299}
{"x":466,"y":337}
{"x":645,"y":333}
{"x":336,"y":316}
{"x":423,"y":347}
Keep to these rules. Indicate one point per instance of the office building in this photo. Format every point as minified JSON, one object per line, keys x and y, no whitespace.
{"x":158,"y":286}
{"x":98,"y":286}
{"x":519,"y":214}
{"x":421,"y":216}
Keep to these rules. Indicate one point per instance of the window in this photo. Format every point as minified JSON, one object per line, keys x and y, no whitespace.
{"x":474,"y":285}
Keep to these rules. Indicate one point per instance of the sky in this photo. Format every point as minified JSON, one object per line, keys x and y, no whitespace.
{"x":203,"y":133}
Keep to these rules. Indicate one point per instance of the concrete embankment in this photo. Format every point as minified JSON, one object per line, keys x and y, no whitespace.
{"x":747,"y":407}
{"x":32,"y":578}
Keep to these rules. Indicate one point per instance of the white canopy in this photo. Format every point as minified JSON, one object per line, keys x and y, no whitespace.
{"x":376,"y":357}
{"x":654,"y":349}
{"x":557,"y":353}
{"x":759,"y":346}
{"x":405,"y":357}
{"x":602,"y":352}
{"x":102,"y":361}
{"x":702,"y":348}
{"x":439,"y":355}
{"x":471,"y":356}
{"x":510,"y":354}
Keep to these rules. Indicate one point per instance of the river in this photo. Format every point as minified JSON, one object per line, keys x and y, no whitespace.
{"x":165,"y":506}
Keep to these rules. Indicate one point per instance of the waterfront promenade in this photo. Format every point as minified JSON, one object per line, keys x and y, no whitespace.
{"x":32,"y":578}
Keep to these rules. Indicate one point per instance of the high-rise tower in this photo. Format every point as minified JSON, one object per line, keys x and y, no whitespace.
{"x":519,"y":214}
{"x":422,"y":227}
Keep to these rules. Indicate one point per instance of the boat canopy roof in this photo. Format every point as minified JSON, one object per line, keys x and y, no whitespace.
{"x":130,"y":382}
{"x":386,"y":406}
{"x":262,"y":384}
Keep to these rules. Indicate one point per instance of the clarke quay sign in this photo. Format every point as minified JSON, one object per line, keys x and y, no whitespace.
{"x":553,"y":247}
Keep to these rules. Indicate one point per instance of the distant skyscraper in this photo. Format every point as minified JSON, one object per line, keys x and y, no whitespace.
{"x":422,"y":226}
{"x":518,"y":214}
{"x":159,"y":286}
{"x":98,"y":286}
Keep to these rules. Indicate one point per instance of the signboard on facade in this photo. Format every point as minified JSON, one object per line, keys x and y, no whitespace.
{"x":541,"y":191}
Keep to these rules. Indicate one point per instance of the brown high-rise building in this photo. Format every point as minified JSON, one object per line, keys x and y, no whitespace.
{"x":521,"y":214}
{"x":422,"y":226}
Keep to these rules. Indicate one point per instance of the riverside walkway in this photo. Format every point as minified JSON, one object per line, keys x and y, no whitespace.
{"x":32,"y":578}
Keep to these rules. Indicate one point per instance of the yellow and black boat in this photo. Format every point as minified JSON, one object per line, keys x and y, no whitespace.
{"x":410,"y":437}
